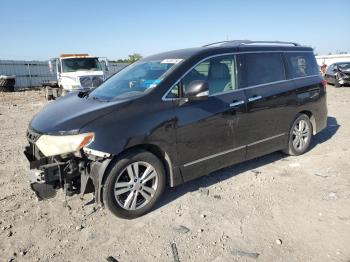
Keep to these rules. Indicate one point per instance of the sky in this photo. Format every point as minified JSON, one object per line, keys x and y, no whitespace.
{"x":39,"y":29}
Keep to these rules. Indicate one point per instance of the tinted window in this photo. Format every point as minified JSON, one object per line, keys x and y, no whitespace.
{"x":256,"y":69}
{"x":302,"y":64}
{"x":330,"y":69}
{"x":219,"y":72}
{"x":344,"y":66}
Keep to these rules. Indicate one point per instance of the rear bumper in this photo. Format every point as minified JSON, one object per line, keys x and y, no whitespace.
{"x":321,"y":114}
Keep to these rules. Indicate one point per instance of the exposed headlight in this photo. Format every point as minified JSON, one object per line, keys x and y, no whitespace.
{"x":58,"y":145}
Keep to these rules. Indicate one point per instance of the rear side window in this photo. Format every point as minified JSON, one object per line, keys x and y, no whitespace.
{"x":257,"y":69}
{"x":301,"y":64}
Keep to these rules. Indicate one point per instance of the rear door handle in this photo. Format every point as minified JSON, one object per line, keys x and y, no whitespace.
{"x":236,"y":103}
{"x":254,"y":98}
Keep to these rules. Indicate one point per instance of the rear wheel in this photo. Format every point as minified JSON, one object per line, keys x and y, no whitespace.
{"x":7,"y":89}
{"x":300,"y":136}
{"x":134,"y":184}
{"x":60,"y":91}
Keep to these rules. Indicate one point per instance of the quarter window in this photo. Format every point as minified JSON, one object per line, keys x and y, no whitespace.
{"x":301,"y":65}
{"x":257,"y":69}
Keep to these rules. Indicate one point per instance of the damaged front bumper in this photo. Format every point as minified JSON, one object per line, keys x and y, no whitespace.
{"x":76,"y":173}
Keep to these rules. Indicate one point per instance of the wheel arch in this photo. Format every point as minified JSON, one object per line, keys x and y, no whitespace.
{"x":312,"y":120}
{"x":172,"y":178}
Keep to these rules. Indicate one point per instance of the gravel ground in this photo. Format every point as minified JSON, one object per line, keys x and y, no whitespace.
{"x":273,"y":208}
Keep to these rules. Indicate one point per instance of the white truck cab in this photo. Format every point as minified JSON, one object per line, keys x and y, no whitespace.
{"x":75,"y":72}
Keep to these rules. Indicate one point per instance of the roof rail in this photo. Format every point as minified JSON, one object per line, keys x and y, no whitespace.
{"x":250,"y":42}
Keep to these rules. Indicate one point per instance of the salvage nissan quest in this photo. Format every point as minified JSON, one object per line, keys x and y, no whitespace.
{"x":176,"y":116}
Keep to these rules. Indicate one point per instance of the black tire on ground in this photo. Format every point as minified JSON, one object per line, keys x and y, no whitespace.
{"x":59,"y":91}
{"x":116,"y":171}
{"x":293,"y":149}
{"x":7,"y":82}
{"x":49,"y":97}
{"x":7,"y":88}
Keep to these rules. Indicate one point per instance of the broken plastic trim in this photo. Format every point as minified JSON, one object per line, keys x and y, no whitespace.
{"x":96,"y":152}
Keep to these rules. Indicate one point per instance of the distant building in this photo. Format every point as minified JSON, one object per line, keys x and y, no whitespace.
{"x":330,"y":59}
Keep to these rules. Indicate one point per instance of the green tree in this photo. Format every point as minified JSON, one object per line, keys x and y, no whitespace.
{"x":132,"y":58}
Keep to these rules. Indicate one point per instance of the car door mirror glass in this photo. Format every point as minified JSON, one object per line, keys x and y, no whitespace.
{"x":197,"y":90}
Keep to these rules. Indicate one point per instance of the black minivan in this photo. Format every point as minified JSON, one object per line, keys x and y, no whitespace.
{"x":175,"y":116}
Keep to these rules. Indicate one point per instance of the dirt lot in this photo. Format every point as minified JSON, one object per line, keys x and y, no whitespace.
{"x":273,"y":208}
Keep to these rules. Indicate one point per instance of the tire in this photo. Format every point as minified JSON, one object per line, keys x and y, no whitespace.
{"x":60,"y":91}
{"x":300,"y":136}
{"x":7,"y":82}
{"x":7,"y":88}
{"x":48,"y":97}
{"x":119,"y":190}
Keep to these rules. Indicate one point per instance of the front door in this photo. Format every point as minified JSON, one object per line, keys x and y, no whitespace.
{"x":208,"y":133}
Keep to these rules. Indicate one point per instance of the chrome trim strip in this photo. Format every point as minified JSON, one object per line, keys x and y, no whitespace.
{"x":212,"y":156}
{"x":164,"y":98}
{"x":231,"y":150}
{"x":266,"y":139}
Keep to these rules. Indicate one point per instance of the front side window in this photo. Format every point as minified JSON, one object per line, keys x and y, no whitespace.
{"x":260,"y":68}
{"x":136,"y":79}
{"x":80,"y":64}
{"x":301,"y":64}
{"x":219,"y":72}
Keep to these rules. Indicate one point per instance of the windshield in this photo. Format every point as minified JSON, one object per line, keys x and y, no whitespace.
{"x":136,"y":79}
{"x":344,"y":66}
{"x":80,"y":64}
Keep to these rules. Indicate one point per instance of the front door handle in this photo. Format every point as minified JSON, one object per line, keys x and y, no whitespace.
{"x":254,"y":98}
{"x":236,"y":103}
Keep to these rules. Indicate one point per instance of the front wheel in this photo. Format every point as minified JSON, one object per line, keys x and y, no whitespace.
{"x":134,"y":184}
{"x":300,"y":136}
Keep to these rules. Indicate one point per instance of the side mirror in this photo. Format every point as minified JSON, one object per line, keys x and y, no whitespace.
{"x":197,"y":90}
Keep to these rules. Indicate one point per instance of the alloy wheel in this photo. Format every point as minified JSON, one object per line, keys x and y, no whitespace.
{"x":301,"y":135}
{"x":136,"y":185}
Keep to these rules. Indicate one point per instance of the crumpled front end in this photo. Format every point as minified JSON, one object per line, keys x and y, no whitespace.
{"x":344,"y":78}
{"x":70,"y":171}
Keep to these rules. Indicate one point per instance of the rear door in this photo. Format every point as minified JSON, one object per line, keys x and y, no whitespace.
{"x":208,"y":132}
{"x":270,"y":101}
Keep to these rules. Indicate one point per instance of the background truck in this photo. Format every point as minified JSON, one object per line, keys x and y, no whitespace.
{"x":75,"y":72}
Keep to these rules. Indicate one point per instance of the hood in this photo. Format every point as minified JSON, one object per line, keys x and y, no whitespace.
{"x":72,"y":112}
